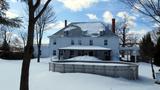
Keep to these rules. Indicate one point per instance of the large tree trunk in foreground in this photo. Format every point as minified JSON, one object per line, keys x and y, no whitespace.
{"x":24,"y":83}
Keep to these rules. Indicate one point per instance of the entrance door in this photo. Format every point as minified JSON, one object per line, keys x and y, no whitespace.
{"x":107,"y":55}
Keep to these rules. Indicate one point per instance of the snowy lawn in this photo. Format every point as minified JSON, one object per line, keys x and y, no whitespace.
{"x":42,"y":79}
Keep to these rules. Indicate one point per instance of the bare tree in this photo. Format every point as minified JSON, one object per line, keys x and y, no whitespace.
{"x":5,"y":38}
{"x":122,"y":29}
{"x":23,"y":36}
{"x":47,"y":18}
{"x":149,"y":8}
{"x":155,"y":34}
{"x":133,"y":39}
{"x":33,"y":5}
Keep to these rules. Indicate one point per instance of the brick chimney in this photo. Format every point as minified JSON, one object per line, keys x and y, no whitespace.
{"x":65,"y":23}
{"x":113,"y":25}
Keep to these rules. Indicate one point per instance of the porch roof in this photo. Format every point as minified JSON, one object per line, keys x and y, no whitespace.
{"x":80,"y":47}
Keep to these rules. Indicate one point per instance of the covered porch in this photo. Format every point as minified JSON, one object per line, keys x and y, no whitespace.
{"x":73,"y":51}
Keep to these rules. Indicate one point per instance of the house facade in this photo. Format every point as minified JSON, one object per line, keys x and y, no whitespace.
{"x":85,"y":38}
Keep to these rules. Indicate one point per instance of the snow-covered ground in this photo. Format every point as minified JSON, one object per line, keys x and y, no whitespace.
{"x":42,"y":79}
{"x":84,"y":58}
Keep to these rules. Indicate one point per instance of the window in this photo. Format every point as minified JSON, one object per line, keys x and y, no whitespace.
{"x":90,"y":42}
{"x":72,"y":42}
{"x":54,"y":52}
{"x":66,"y":33}
{"x":105,"y":42}
{"x":54,"y":42}
{"x":79,"y":42}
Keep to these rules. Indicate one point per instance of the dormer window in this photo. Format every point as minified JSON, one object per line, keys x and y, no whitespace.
{"x":90,"y":42}
{"x":105,"y":42}
{"x":102,"y":33}
{"x":66,"y":33}
{"x":72,"y":42}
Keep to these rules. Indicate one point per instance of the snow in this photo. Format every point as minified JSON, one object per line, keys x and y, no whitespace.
{"x":98,"y":64}
{"x":84,"y":58}
{"x":42,"y":79}
{"x":80,"y":47}
{"x":91,"y":27}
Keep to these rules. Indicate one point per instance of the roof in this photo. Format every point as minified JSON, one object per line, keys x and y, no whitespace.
{"x":92,"y":29}
{"x":79,"y":47}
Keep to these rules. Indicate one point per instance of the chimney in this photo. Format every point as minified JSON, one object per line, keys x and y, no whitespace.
{"x":113,"y":25}
{"x":65,"y":23}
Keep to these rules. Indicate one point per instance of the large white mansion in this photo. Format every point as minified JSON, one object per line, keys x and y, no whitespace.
{"x":85,"y":38}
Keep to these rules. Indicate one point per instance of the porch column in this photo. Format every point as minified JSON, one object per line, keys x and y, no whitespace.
{"x":59,"y":54}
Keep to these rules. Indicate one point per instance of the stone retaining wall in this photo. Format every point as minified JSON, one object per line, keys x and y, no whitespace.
{"x":128,"y":71}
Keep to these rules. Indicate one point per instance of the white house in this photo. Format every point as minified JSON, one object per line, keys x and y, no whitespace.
{"x":85,"y":38}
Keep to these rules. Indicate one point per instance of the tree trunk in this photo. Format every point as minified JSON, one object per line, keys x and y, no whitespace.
{"x":24,"y":83}
{"x":39,"y":52}
{"x":153,"y":73}
{"x":123,"y":41}
{"x":39,"y":47}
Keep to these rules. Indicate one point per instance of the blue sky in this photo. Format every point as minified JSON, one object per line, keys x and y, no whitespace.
{"x":89,"y":10}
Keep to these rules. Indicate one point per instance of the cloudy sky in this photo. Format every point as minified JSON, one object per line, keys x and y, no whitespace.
{"x":86,"y":11}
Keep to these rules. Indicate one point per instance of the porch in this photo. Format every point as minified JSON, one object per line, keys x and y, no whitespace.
{"x":73,"y":51}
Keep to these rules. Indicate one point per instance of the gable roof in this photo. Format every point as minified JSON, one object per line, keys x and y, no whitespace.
{"x":93,"y":29}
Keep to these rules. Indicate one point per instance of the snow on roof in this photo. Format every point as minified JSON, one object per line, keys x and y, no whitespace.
{"x":91,"y":27}
{"x":84,"y":58}
{"x":69,"y":28}
{"x":79,"y":47}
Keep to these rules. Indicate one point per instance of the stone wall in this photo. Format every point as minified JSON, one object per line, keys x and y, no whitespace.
{"x":128,"y":71}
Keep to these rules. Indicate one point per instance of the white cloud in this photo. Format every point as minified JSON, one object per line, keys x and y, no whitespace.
{"x":14,"y":1}
{"x":10,"y":14}
{"x":92,"y":16}
{"x":141,"y":32}
{"x":130,"y":20}
{"x":105,"y":0}
{"x":78,"y":5}
{"x":107,"y":16}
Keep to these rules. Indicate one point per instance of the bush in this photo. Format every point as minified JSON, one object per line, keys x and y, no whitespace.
{"x":12,"y":55}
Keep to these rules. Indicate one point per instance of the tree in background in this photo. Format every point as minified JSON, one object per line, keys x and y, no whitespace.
{"x":33,"y":5}
{"x":11,"y":22}
{"x":48,"y":17}
{"x":147,"y":50}
{"x":6,"y":39}
{"x":122,"y":29}
{"x":23,"y":36}
{"x":157,"y":53}
{"x":7,"y":22}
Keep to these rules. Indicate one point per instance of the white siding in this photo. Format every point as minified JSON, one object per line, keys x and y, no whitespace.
{"x":113,"y":43}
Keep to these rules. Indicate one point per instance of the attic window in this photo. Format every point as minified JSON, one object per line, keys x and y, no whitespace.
{"x":66,"y":33}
